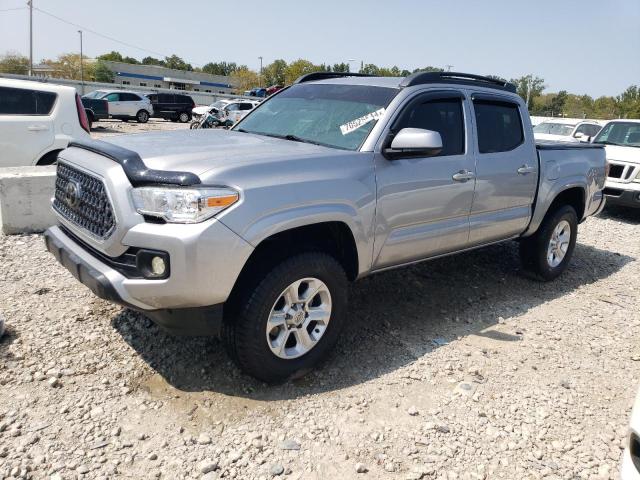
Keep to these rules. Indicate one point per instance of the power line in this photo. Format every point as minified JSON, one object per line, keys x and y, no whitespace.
{"x":86,"y":29}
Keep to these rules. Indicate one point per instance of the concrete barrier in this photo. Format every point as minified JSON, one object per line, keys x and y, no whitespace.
{"x":25,"y":199}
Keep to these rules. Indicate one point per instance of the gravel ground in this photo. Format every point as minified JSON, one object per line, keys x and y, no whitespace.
{"x":460,"y":368}
{"x":109,"y":128}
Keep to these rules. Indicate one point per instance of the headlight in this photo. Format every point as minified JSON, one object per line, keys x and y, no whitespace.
{"x":183,"y":205}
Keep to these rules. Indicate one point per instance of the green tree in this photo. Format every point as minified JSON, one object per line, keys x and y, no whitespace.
{"x":67,"y":65}
{"x":101,"y":72}
{"x":558,"y":102}
{"x":152,"y":61}
{"x":340,"y":67}
{"x":629,"y":102}
{"x":429,"y":69}
{"x":112,"y":56}
{"x":298,"y":68}
{"x":529,"y":88}
{"x":275,"y":73}
{"x":13,"y":62}
{"x":220,"y":68}
{"x":244,"y":78}
{"x":176,"y":63}
{"x":370,"y":69}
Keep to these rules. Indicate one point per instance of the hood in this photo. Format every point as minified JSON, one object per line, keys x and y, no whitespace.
{"x":554,"y":138}
{"x":201,"y":110}
{"x":623,"y":154}
{"x":200,"y":150}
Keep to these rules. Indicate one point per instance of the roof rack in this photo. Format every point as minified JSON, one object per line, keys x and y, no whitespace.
{"x":420,"y":78}
{"x":310,"y":77}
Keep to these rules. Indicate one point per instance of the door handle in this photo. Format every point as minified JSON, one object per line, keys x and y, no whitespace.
{"x":463,"y":176}
{"x":525,"y":169}
{"x":37,"y":128}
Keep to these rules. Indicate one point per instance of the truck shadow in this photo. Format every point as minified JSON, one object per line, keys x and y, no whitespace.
{"x":622,"y":214}
{"x":394,"y":318}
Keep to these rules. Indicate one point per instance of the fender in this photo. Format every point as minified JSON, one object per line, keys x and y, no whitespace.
{"x":300,"y":216}
{"x":547,"y":193}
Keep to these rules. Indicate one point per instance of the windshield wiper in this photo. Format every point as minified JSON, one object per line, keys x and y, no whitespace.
{"x":295,"y":138}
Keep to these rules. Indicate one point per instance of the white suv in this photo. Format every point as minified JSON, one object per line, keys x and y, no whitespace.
{"x":125,"y":105}
{"x":566,"y":130}
{"x":37,"y":120}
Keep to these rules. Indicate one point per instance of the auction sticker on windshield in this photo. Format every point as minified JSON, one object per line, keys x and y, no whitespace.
{"x":359,"y":122}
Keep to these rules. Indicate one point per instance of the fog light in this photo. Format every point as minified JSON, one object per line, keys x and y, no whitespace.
{"x":153,"y":264}
{"x":158,"y":266}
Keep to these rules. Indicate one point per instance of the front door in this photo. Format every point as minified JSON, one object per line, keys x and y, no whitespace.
{"x":506,"y":170}
{"x":424,"y":203}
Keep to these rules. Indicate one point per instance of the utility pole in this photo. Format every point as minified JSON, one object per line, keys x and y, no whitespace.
{"x":81,"y":64}
{"x":260,"y":70}
{"x":30,"y":3}
{"x":529,"y":91}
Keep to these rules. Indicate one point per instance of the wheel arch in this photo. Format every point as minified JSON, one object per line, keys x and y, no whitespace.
{"x":49,"y":158}
{"x":573,"y":194}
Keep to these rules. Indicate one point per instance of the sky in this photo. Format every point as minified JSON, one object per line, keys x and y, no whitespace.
{"x":586,"y":46}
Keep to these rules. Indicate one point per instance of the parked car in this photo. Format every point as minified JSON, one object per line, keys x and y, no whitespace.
{"x":254,"y":233}
{"x":630,"y":468}
{"x":258,"y":92}
{"x":213,"y":108}
{"x":621,"y":139}
{"x":273,"y":89}
{"x":37,"y":120}
{"x":125,"y":105}
{"x":95,"y":108}
{"x":227,"y":109}
{"x":172,"y":106}
{"x":564,"y":130}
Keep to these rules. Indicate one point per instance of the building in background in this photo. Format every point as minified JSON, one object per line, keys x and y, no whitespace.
{"x":153,"y":76}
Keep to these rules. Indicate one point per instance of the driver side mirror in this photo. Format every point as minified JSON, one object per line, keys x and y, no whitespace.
{"x":414,"y":142}
{"x":578,"y":135}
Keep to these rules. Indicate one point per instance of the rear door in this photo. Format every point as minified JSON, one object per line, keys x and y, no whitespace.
{"x":26,"y":125}
{"x":424,"y":203}
{"x":116,"y":107}
{"x":131,"y":104}
{"x":506,"y":169}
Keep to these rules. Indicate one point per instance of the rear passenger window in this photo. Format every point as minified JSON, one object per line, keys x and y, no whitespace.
{"x":18,"y":101}
{"x":246,"y":106}
{"x":129,"y":97}
{"x":499,"y":126}
{"x":440,"y":115}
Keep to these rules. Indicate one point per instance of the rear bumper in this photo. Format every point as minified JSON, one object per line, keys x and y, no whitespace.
{"x":107,"y":284}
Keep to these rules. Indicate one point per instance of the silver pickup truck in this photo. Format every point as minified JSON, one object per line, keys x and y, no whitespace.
{"x":254,"y":233}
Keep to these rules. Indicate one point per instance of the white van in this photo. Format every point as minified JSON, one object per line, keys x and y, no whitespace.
{"x":37,"y":120}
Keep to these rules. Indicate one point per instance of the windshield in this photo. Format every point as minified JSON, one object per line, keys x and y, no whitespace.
{"x":549,"y":128}
{"x":338,"y":116}
{"x":626,"y":134}
{"x":96,"y":94}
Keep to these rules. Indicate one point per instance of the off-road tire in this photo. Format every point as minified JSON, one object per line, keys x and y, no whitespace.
{"x":244,"y":328}
{"x":534,"y":249}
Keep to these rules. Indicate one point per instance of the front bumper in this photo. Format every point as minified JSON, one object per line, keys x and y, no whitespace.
{"x":628,"y":470}
{"x":191,"y":308}
{"x":624,"y":194}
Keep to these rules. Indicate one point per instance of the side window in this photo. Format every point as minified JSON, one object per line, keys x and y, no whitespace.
{"x":233,"y":107}
{"x":589,"y":130}
{"x":246,"y":106}
{"x":129,"y":97}
{"x":112,"y":97}
{"x":499,"y":126}
{"x":442,"y":115}
{"x":17,"y":101}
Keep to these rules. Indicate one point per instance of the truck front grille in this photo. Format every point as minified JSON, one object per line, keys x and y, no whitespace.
{"x":82,"y":199}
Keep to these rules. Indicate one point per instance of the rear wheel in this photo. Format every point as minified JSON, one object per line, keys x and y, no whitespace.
{"x":547,"y":253}
{"x":142,"y":116}
{"x":290,"y":321}
{"x":184,"y":117}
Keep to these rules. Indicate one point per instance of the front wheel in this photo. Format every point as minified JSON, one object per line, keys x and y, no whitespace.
{"x":290,"y":321}
{"x":184,"y":117}
{"x":547,"y":253}
{"x":142,"y":116}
